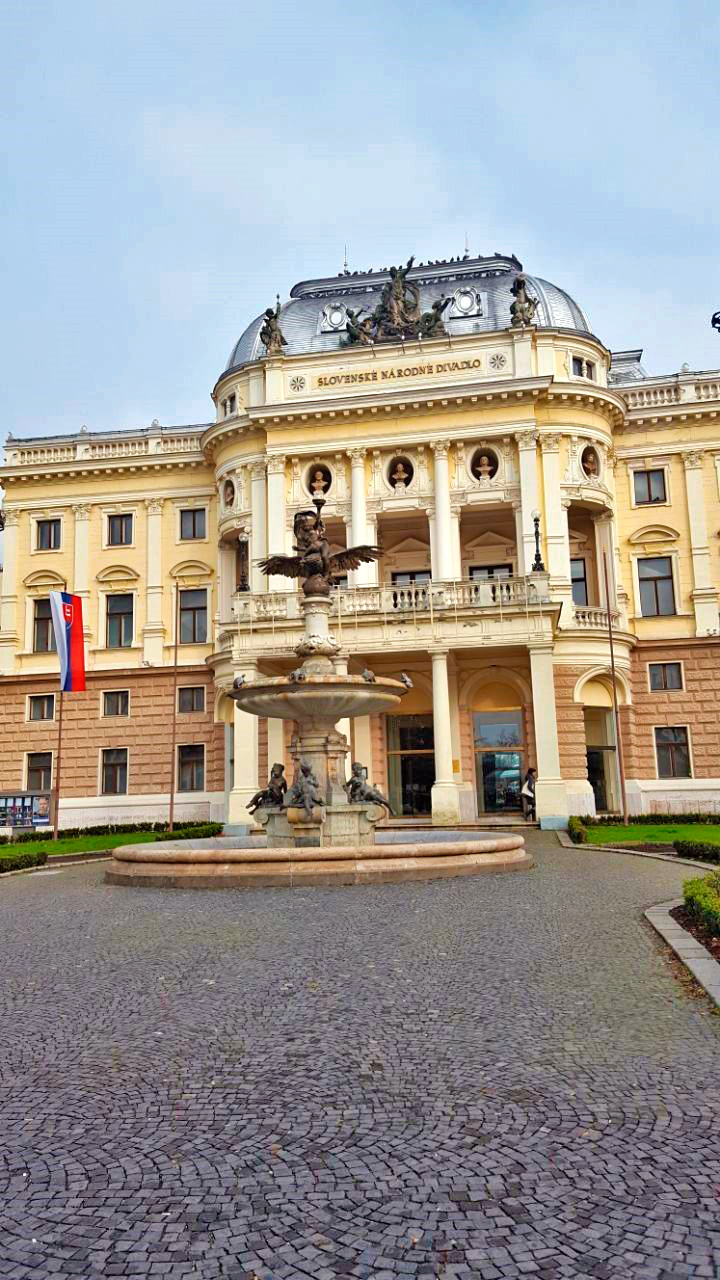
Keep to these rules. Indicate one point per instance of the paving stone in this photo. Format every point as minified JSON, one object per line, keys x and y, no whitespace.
{"x":474,"y":1079}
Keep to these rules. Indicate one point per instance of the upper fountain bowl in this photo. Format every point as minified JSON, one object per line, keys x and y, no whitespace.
{"x":318,"y":697}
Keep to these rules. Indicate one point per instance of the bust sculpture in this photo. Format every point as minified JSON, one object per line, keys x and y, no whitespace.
{"x":590,"y":464}
{"x":319,"y":484}
{"x":484,"y":469}
{"x":400,"y":476}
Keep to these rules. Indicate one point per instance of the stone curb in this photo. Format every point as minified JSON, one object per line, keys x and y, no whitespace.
{"x":692,"y":953}
{"x":59,"y":865}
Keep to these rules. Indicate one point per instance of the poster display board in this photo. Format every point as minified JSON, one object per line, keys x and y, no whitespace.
{"x":25,"y":809}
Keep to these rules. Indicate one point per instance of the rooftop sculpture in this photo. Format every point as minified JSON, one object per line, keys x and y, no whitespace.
{"x":271,"y":333}
{"x":397,"y":314}
{"x":522,"y":310}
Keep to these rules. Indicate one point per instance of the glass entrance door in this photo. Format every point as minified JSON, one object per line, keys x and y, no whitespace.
{"x":498,"y":759}
{"x":411,"y":764}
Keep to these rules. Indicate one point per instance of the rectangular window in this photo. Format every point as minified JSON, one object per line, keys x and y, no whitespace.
{"x":191,"y":698}
{"x":649,"y":486}
{"x":673,"y":752}
{"x":193,"y":617}
{"x":665,"y":675}
{"x":119,"y":621}
{"x":191,"y":768}
{"x":116,"y":702}
{"x":39,"y":771}
{"x":577,"y":366}
{"x":583,"y":368}
{"x":657,"y":594}
{"x":232,"y":402}
{"x":192,"y":524}
{"x":42,"y":706}
{"x":48,"y":535}
{"x":590,"y":370}
{"x":114,"y":771}
{"x":120,"y":529}
{"x":481,"y":572}
{"x":43,"y":634}
{"x":578,"y":576}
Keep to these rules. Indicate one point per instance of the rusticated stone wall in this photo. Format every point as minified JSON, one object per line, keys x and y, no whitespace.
{"x":696,"y":706}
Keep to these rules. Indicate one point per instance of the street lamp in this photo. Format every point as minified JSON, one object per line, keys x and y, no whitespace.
{"x":538,"y":566}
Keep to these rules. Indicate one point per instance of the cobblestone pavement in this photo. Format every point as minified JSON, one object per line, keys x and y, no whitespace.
{"x":499,"y":1077}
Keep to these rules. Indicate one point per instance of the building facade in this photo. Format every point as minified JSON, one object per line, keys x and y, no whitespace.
{"x":521,"y":482}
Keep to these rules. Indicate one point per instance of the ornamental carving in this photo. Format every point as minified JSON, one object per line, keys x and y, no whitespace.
{"x":11,"y":518}
{"x":550,"y":441}
{"x":356,"y":456}
{"x":526,"y":439}
{"x":81,"y":511}
{"x":692,"y":459}
{"x":257,"y":470}
{"x":441,"y":448}
{"x":276,"y":465}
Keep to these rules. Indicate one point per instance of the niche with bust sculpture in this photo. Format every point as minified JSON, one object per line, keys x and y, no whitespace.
{"x":590,"y":463}
{"x":318,"y":480}
{"x":400,"y":474}
{"x":484,"y":465}
{"x":228,"y":494}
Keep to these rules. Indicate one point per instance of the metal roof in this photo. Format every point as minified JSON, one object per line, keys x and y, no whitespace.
{"x":301,"y":318}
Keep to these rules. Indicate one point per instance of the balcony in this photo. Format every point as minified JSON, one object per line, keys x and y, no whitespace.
{"x":466,"y":613}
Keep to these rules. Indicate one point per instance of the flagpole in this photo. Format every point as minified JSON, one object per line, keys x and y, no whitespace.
{"x":56,"y":832}
{"x":174,"y":710}
{"x":618,"y":734}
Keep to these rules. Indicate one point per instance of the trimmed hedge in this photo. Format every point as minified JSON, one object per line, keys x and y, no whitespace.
{"x":700,"y":850}
{"x":202,"y":831}
{"x":19,"y":861}
{"x":577,"y":830}
{"x":702,"y":899}
{"x":110,"y":829}
{"x":646,"y":819}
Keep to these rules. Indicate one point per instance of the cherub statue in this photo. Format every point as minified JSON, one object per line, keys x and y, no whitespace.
{"x":305,"y":791}
{"x":313,"y":563}
{"x":431,"y":322}
{"x":270,"y":333}
{"x":522,"y":310}
{"x":271,"y":796}
{"x":359,"y":791}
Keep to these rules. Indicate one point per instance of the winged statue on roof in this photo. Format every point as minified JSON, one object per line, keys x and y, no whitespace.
{"x":314,"y":563}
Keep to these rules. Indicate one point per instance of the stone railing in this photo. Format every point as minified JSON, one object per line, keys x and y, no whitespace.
{"x":592,"y":617}
{"x":119,"y":449}
{"x":50,"y":453}
{"x":684,"y":388}
{"x":86,"y":448}
{"x":390,"y":600}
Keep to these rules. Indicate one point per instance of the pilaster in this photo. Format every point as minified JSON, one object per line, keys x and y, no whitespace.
{"x":550,"y":793}
{"x":9,"y":639}
{"x":704,"y":594}
{"x":443,"y":512}
{"x":153,"y":634}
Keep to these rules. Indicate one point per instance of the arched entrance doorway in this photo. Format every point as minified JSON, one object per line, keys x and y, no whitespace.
{"x":500,"y":747}
{"x":601,"y":745}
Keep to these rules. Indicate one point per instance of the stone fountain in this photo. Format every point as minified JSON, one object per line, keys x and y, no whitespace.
{"x":316,"y":810}
{"x":321,"y":829}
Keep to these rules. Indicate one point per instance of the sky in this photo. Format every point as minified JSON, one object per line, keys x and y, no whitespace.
{"x":170,"y":167}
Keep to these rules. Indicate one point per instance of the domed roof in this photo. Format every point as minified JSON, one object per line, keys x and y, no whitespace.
{"x":480,"y":290}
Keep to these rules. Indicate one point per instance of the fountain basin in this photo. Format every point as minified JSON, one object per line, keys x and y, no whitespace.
{"x":319,"y":698}
{"x":214,"y":864}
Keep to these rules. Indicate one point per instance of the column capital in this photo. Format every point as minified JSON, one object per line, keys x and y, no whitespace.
{"x":154,"y":506}
{"x":440,"y":447}
{"x":526,"y":439}
{"x":356,"y":456}
{"x":276,"y":464}
{"x":81,"y":511}
{"x":438,"y":653}
{"x":692,"y":459}
{"x":257,"y":470}
{"x":550,"y":441}
{"x":11,"y":517}
{"x":541,"y":646}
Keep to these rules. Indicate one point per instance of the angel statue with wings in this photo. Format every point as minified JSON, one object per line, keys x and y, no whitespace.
{"x":313,"y":562}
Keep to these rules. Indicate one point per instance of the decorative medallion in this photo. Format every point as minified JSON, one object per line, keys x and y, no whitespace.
{"x":298,"y":382}
{"x":498,"y":360}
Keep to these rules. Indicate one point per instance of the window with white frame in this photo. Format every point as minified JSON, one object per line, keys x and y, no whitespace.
{"x":191,"y":698}
{"x":120,"y":530}
{"x":672,"y":747}
{"x":116,"y":702}
{"x":193,"y":616}
{"x":656,"y":586}
{"x":48,"y":535}
{"x":191,"y":767}
{"x":665,"y":675}
{"x":114,"y":771}
{"x":41,"y":706}
{"x":583,"y":368}
{"x":119,"y":621}
{"x":43,"y":633}
{"x":193,"y":524}
{"x":649,"y":486}
{"x":39,"y":771}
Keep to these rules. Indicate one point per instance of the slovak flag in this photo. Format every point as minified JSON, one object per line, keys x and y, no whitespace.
{"x":68,"y":627}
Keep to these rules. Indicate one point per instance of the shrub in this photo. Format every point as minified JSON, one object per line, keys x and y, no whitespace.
{"x":646,"y":819}
{"x":109,"y":829}
{"x":202,"y":831}
{"x":702,"y":899}
{"x":577,"y":830}
{"x":12,"y":861}
{"x":700,"y":850}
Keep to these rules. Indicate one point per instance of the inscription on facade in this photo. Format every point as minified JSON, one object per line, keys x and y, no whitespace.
{"x":377,"y":374}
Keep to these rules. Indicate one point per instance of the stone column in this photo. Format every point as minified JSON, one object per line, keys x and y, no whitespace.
{"x":445,"y":798}
{"x":276,"y":742}
{"x":434,"y":566}
{"x":8,"y":600}
{"x":245,"y":755}
{"x":704,"y":594}
{"x":258,"y":535}
{"x":276,"y":518}
{"x":153,"y":634}
{"x":552,"y":807}
{"x":556,"y":525}
{"x":456,"y":546}
{"x":372,"y":570}
{"x":443,"y":512}
{"x":529,"y":498}
{"x":519,"y":547}
{"x":358,"y":513}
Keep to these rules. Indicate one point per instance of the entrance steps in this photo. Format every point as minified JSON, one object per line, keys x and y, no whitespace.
{"x":492,"y":821}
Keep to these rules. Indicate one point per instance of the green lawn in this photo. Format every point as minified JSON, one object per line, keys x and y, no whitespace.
{"x":80,"y":844}
{"x":658,"y":832}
